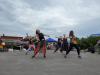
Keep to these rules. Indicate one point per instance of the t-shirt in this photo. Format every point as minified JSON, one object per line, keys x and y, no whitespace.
{"x":74,"y":40}
{"x":41,"y":36}
{"x":65,"y":41}
{"x":31,"y":42}
{"x":59,"y":41}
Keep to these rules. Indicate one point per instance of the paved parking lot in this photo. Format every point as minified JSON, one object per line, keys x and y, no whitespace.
{"x":17,"y":63}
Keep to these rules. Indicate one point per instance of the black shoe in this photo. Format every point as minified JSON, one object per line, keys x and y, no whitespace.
{"x":65,"y":56}
{"x":44,"y":56}
{"x":26,"y":53}
{"x":33,"y":56}
{"x":79,"y":56}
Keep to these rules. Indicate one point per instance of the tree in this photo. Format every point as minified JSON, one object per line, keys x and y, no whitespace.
{"x":87,"y":42}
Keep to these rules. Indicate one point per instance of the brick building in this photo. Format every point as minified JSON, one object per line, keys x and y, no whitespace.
{"x":11,"y":38}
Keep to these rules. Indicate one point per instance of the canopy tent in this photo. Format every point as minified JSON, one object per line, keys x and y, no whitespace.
{"x":96,"y":35}
{"x":51,"y":40}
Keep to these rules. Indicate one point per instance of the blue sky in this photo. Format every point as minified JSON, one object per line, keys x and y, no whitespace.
{"x":52,"y":17}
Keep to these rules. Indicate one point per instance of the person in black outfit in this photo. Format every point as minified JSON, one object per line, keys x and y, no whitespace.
{"x":73,"y":43}
{"x":41,"y":44}
{"x":59,"y":45}
{"x":65,"y":44}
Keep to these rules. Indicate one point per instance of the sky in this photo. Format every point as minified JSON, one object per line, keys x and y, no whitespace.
{"x":52,"y":17}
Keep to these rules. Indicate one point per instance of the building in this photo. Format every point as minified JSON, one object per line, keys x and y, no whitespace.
{"x":11,"y":42}
{"x":11,"y":38}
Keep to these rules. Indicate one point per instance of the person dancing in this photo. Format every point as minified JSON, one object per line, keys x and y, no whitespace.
{"x":31,"y":46}
{"x":41,"y":44}
{"x":73,"y":43}
{"x":65,"y":44}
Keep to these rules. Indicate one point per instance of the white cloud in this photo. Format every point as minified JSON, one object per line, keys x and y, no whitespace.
{"x":59,"y":16}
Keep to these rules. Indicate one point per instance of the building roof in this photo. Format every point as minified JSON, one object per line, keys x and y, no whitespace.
{"x":11,"y":37}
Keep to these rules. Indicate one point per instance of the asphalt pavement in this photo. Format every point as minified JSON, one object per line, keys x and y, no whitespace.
{"x":17,"y":63}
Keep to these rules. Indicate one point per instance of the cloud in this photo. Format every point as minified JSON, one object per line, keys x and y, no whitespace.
{"x":54,"y":17}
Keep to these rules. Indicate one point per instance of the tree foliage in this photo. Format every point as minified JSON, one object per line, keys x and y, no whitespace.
{"x":87,"y":42}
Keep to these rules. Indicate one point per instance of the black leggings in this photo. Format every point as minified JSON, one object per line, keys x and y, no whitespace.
{"x":65,"y":47}
{"x":58,"y":47}
{"x":71,"y":46}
